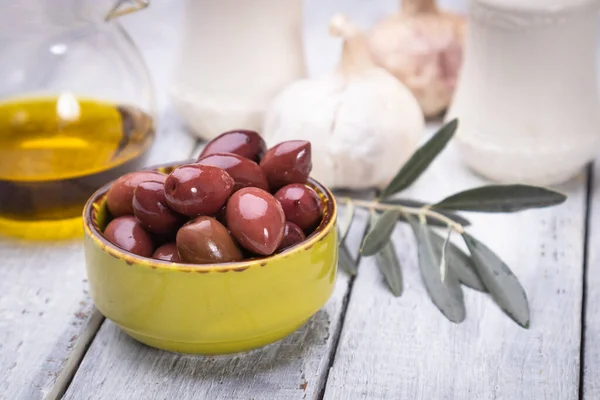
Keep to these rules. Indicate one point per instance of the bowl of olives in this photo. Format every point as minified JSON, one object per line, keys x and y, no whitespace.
{"x":222,"y":254}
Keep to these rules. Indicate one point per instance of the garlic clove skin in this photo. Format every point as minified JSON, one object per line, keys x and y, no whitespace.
{"x":424,"y":50}
{"x":362,"y":129}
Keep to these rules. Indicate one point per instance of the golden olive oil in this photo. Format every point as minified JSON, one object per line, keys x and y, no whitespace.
{"x":55,"y":152}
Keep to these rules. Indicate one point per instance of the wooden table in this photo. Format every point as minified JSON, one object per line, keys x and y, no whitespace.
{"x":365,"y":343}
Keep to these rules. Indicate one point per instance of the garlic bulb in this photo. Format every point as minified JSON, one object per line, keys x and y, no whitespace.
{"x":422,"y":46}
{"x":363,"y":123}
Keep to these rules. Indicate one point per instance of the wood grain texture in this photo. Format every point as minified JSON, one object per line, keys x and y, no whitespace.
{"x":591,"y":334}
{"x":403,"y":348}
{"x":293,"y":368}
{"x":46,"y":317}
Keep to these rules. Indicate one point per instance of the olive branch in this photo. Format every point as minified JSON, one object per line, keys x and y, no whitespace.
{"x":444,"y":266}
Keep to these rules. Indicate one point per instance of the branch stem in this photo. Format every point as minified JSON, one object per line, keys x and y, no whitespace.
{"x":426,"y":211}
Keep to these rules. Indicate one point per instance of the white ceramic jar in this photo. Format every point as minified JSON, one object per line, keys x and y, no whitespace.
{"x":235,"y":56}
{"x":527,"y":98}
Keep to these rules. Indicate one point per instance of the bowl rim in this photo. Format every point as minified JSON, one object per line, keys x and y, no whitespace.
{"x":93,"y":232}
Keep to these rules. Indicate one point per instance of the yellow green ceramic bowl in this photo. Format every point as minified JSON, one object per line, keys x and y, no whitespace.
{"x":210,"y":309}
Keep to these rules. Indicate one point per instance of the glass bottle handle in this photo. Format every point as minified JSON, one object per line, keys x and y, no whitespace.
{"x":123,"y":7}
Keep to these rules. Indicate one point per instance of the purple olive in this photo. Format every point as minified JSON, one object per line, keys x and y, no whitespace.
{"x":288,"y":162}
{"x":256,"y":220}
{"x":245,"y":173}
{"x":127,"y":233}
{"x":292,"y":235}
{"x":151,"y":209}
{"x":204,"y":240}
{"x":195,"y":189}
{"x":248,"y":144}
{"x":167,"y":252}
{"x":301,"y":205}
{"x":120,"y":195}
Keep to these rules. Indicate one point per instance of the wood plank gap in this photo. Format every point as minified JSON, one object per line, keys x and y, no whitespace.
{"x":588,"y":207}
{"x":345,"y":303}
{"x":74,"y":360}
{"x":338,"y":332}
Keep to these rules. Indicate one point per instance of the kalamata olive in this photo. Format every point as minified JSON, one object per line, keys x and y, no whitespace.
{"x":167,"y":252}
{"x":127,"y":233}
{"x":256,"y":220}
{"x":204,"y":240}
{"x":195,"y":189}
{"x":301,"y":205}
{"x":292,"y":235}
{"x":221,"y":215}
{"x":245,"y":173}
{"x":151,"y":209}
{"x":120,"y":194}
{"x":248,"y":144}
{"x":288,"y":162}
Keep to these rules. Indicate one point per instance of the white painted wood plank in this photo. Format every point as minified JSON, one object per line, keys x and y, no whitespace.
{"x":46,"y":317}
{"x":591,"y":345}
{"x":293,"y":368}
{"x":403,"y":348}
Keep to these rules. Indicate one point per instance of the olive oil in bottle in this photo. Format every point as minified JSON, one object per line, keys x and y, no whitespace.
{"x":55,"y":152}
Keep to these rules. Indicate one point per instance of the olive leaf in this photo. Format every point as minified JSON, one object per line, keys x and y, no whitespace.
{"x":460,"y":263}
{"x":346,"y":261}
{"x":344,"y":225}
{"x":459,"y":219}
{"x":421,"y":159}
{"x":444,"y":255}
{"x":380,"y":232}
{"x":502,"y":198}
{"x":387,"y":262}
{"x":446,"y":293}
{"x":499,"y":280}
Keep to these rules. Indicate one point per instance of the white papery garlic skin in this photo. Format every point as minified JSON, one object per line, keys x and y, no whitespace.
{"x":362,"y":122}
{"x":423,"y":47}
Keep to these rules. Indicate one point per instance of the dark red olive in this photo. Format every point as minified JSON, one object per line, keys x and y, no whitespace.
{"x":127,"y":233}
{"x":288,"y":162}
{"x":245,"y":173}
{"x":301,"y":205}
{"x":292,"y":235}
{"x":195,"y":189}
{"x":167,"y":252}
{"x":248,"y":144}
{"x":204,"y":240}
{"x":256,"y":220}
{"x":221,"y":215}
{"x":151,"y":209}
{"x":120,"y":195}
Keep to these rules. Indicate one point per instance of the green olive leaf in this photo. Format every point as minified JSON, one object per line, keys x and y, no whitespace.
{"x":501,"y":283}
{"x":460,"y":263}
{"x":421,"y":159}
{"x":502,"y":199}
{"x":388,"y":264}
{"x":444,"y":255}
{"x":345,"y":260}
{"x":446,"y":293}
{"x":344,"y":224}
{"x":380,"y":232}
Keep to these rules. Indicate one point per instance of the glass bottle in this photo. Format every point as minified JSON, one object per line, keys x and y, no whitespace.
{"x":76,"y":110}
